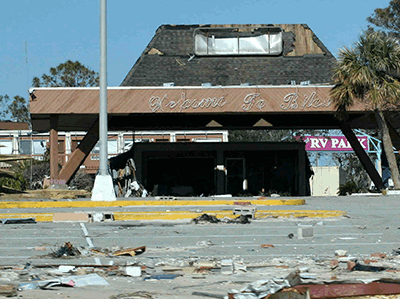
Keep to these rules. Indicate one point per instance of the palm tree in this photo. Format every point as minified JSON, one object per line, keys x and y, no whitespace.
{"x":369,"y":72}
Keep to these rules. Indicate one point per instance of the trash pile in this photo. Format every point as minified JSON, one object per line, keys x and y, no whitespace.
{"x":206,"y":218}
{"x":69,"y":251}
{"x":124,"y":178}
{"x":307,"y":277}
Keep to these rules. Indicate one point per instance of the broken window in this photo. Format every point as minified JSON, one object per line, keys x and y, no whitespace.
{"x":36,"y":147}
{"x":5,"y":147}
{"x":111,"y":149}
{"x":238,"y":41}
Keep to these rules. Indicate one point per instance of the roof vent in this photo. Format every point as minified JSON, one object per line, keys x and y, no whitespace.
{"x":293,"y":82}
{"x":206,"y":84}
{"x":169,"y":84}
{"x":305,"y":82}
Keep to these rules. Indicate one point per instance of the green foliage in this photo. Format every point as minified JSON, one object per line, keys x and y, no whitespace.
{"x":16,"y":182}
{"x":349,"y":188}
{"x":35,"y":173}
{"x":388,"y":18}
{"x":368,"y":73}
{"x":68,"y":74}
{"x":260,"y":135}
{"x":82,"y":181}
{"x":268,"y":135}
{"x":16,"y":109}
{"x":353,"y":168}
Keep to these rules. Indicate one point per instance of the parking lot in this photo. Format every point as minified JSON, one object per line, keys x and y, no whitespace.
{"x":370,"y":226}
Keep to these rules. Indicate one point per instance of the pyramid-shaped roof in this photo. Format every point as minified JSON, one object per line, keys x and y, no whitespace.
{"x":170,"y":57}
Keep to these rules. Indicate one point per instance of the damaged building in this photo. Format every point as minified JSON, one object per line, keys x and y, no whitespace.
{"x":208,"y":77}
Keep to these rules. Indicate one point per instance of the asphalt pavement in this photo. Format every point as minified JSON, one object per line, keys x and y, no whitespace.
{"x":365,"y":224}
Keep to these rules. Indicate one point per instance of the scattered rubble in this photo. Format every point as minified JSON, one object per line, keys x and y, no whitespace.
{"x":18,"y":221}
{"x":211,"y":295}
{"x":69,"y":251}
{"x":206,"y":218}
{"x":66,"y":250}
{"x":355,"y":266}
{"x":8,"y":289}
{"x":130,"y":251}
{"x":133,"y":295}
{"x":279,"y":277}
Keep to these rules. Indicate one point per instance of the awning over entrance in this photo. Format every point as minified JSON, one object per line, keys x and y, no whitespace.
{"x":240,"y":107}
{"x":170,"y":108}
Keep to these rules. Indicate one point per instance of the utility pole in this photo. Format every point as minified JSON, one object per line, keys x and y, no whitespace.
{"x":103,"y":189}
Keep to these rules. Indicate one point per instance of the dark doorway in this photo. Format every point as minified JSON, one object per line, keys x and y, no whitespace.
{"x":181,"y":176}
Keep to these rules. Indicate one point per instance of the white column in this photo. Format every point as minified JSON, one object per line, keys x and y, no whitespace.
{"x":172,"y":137}
{"x":15,"y":144}
{"x":120,"y":143}
{"x":225,"y":136}
{"x":68,"y":145}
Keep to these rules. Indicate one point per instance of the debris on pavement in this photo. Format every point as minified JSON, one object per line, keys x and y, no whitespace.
{"x":242,"y":219}
{"x":18,"y":221}
{"x":133,"y":271}
{"x":70,"y":281}
{"x":249,"y":211}
{"x":272,"y":277}
{"x":8,"y":289}
{"x":65,"y":251}
{"x":206,"y":218}
{"x":355,"y":266}
{"x":203,"y":244}
{"x":133,"y":295}
{"x":131,"y":251}
{"x":211,"y":295}
{"x":326,"y":291}
{"x":45,"y":285}
{"x":341,"y":253}
{"x":161,"y":276}
{"x":263,"y":288}
{"x":267,"y":246}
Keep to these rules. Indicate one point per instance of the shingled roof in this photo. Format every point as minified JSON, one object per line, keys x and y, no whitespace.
{"x":169,"y":58}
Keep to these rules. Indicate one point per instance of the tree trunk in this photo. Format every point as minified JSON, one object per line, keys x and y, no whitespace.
{"x":388,"y":148}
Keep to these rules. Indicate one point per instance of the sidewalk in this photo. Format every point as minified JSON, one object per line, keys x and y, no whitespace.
{"x":50,"y":210}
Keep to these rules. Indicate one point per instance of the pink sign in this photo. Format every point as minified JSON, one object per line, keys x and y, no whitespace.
{"x":332,"y":143}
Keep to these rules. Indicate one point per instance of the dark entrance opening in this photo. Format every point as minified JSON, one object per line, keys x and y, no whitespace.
{"x":181,"y":176}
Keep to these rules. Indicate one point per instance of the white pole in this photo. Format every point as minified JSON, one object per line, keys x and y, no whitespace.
{"x":103,"y":189}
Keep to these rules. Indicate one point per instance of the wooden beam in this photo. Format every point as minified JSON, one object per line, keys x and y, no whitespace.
{"x":79,"y":155}
{"x":362,"y":155}
{"x":394,"y":135}
{"x":53,"y":148}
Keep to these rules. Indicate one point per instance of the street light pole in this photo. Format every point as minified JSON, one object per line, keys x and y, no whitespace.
{"x":103,"y":189}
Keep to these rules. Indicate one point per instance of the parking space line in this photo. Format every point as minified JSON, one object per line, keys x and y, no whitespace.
{"x":89,"y":241}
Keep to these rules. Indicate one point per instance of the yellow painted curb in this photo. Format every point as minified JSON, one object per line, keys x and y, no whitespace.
{"x":300,"y":213}
{"x":182,"y":215}
{"x":39,"y":217}
{"x":122,"y":203}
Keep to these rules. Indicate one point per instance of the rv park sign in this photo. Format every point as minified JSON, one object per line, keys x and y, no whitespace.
{"x":332,"y":143}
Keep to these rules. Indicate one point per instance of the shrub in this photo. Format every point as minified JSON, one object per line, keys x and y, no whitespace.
{"x":35,"y":174}
{"x":81,"y":181}
{"x":349,"y":188}
{"x":17,"y":182}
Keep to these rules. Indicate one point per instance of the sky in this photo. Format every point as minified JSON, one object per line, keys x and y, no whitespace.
{"x":40,"y":34}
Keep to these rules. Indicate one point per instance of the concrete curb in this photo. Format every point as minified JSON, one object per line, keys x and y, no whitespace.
{"x":123,"y":203}
{"x":178,"y":215}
